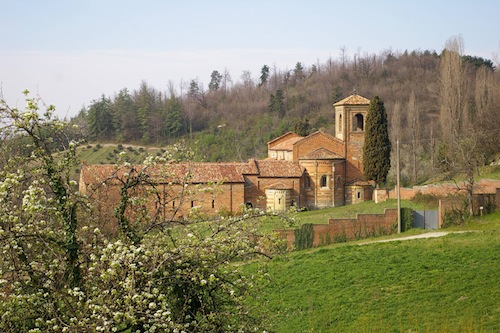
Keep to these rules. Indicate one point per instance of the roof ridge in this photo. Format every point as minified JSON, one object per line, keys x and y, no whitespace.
{"x":310,"y":136}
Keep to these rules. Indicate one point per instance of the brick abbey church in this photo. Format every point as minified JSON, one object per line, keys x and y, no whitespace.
{"x":315,"y":171}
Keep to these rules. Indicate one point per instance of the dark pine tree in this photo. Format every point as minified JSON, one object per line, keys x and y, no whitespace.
{"x":377,"y":146}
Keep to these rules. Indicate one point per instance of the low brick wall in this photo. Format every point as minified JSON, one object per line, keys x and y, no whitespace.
{"x":342,"y":230}
{"x":483,"y":186}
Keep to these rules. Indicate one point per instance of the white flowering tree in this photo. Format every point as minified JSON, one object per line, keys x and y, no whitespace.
{"x":59,"y":273}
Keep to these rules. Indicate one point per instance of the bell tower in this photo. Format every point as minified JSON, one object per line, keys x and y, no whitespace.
{"x":350,"y":115}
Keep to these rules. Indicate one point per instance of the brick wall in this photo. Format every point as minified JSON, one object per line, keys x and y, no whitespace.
{"x":341,"y":230}
{"x":355,"y":156}
{"x":486,"y":194}
{"x":315,"y":141}
{"x":255,"y":189}
{"x":169,"y":202}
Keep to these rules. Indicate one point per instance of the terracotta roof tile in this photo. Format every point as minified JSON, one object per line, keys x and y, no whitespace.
{"x":287,"y":145}
{"x":249,"y":168}
{"x":279,"y":186}
{"x":175,"y":172}
{"x":287,"y":134}
{"x":353,"y":100}
{"x":278,"y":168}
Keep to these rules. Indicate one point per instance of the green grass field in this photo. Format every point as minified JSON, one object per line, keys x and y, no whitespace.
{"x":446,"y":284}
{"x":322,"y":216}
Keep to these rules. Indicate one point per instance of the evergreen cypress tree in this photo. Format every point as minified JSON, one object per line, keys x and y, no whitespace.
{"x":377,"y":146}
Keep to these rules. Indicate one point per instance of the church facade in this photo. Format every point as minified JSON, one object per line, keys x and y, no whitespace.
{"x":315,"y":171}
{"x":332,"y":165}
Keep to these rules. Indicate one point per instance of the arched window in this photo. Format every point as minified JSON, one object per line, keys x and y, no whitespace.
{"x":307,"y":182}
{"x":358,"y":122}
{"x":340,"y":122}
{"x":324,"y":182}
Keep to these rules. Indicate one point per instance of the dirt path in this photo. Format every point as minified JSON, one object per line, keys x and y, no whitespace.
{"x":426,"y":235}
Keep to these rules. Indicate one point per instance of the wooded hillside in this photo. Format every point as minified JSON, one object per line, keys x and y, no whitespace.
{"x":233,"y":120}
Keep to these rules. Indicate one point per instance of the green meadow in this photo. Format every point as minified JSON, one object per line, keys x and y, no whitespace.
{"x":445,"y":284}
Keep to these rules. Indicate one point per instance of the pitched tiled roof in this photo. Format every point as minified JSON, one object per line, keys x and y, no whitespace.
{"x":175,"y":172}
{"x":321,"y":154}
{"x":278,"y":168}
{"x":319,"y":133}
{"x":287,"y":145}
{"x":287,"y":134}
{"x":279,"y":186}
{"x":359,"y":182}
{"x":193,"y":172}
{"x":98,"y":173}
{"x":353,"y":100}
{"x":207,"y":172}
{"x":249,"y":168}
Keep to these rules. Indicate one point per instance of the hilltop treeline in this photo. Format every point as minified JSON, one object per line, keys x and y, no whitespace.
{"x":232,"y":120}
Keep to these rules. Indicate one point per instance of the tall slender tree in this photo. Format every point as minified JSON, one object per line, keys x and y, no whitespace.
{"x":377,"y":146}
{"x":100,"y":120}
{"x":264,"y":75}
{"x":215,"y":80}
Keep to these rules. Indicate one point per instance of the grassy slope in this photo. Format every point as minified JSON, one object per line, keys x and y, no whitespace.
{"x":447,"y":284}
{"x":108,"y":153}
{"x":322,"y":216}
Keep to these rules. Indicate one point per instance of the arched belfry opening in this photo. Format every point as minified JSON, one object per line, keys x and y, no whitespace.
{"x":358,"y":122}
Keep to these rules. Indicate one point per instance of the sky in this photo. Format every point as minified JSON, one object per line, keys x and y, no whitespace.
{"x":71,"y":52}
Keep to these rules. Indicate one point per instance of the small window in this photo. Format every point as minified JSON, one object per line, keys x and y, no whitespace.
{"x":359,"y":195}
{"x":358,"y":122}
{"x":213,"y":203}
{"x":173,"y":204}
{"x":324,"y":182}
{"x":340,"y":122}
{"x":192,"y":203}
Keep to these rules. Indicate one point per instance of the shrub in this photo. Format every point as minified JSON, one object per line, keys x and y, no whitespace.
{"x":428,"y":200}
{"x":406,"y":218}
{"x":304,"y":237}
{"x":456,"y":216}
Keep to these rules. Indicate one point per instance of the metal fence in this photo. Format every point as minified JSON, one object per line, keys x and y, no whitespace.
{"x":425,"y":219}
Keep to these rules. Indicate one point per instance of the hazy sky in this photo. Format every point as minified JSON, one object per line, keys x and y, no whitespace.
{"x":71,"y":52}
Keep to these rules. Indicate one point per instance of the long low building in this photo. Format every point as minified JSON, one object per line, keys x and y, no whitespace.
{"x":315,"y":171}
